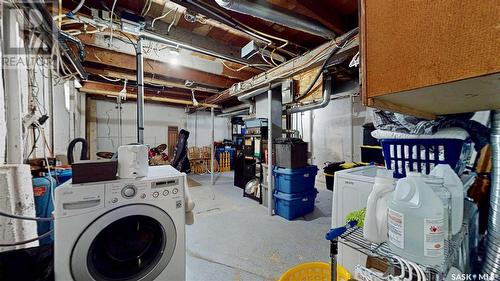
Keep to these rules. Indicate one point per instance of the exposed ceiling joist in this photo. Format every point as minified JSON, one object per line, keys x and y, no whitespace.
{"x":110,"y":90}
{"x":119,"y":60}
{"x":129,"y":75}
{"x":204,"y":42}
{"x":161,"y":53}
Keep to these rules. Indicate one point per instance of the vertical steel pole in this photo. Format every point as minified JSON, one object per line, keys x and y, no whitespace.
{"x":270,"y":152}
{"x":140,"y":91}
{"x":212,"y":150}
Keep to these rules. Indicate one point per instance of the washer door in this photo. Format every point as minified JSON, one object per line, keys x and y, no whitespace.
{"x":132,"y":242}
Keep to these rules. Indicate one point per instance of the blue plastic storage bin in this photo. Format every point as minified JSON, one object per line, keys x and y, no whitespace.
{"x":232,"y":152}
{"x":291,"y":206}
{"x":294,"y":180}
{"x":423,"y":155}
{"x":63,"y":176}
{"x":44,"y":205}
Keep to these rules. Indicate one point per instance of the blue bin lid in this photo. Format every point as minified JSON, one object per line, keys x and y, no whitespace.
{"x":306,"y":169}
{"x":295,"y":196}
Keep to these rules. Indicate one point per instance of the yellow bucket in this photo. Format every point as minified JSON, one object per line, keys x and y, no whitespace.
{"x":314,"y":271}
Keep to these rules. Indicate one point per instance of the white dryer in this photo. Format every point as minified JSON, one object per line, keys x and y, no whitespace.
{"x":131,"y":229}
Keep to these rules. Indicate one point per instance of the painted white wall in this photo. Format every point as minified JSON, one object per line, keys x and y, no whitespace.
{"x":199,"y":125}
{"x":328,"y":132}
{"x":157,"y":118}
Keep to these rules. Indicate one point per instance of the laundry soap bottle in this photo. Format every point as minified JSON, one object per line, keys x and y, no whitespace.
{"x":453,"y":183}
{"x":375,"y":224}
{"x":416,"y":221}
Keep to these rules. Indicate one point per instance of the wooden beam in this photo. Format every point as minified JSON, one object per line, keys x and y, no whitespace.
{"x":170,"y":93}
{"x":187,"y":59}
{"x":125,"y":61}
{"x":132,"y":77}
{"x":105,"y":93}
{"x":328,"y":17}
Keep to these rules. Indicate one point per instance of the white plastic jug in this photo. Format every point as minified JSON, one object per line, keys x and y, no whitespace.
{"x":416,"y":221}
{"x":437,"y":185}
{"x":375,"y":225}
{"x":453,"y":183}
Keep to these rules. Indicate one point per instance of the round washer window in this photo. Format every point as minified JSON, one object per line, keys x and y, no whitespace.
{"x":118,"y":246}
{"x":126,"y":248}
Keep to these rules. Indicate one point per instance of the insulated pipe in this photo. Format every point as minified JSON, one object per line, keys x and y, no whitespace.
{"x":491,"y":266}
{"x":325,"y":100}
{"x":262,"y":9}
{"x":140,"y":91}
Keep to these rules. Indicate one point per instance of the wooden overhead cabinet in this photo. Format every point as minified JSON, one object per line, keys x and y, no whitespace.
{"x":430,"y":57}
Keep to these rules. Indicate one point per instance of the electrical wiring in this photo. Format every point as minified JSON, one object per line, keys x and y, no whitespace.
{"x":173,"y":21}
{"x":111,"y":22}
{"x":274,"y":50}
{"x":148,"y":4}
{"x":46,"y":234}
{"x":344,"y":42}
{"x":19,"y":217}
{"x":243,"y":67}
{"x":160,"y":17}
{"x":109,"y":79}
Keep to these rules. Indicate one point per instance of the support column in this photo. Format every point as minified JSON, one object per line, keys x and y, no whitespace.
{"x":13,"y":97}
{"x":270,"y":185}
{"x":140,"y":91}
{"x":212,"y":150}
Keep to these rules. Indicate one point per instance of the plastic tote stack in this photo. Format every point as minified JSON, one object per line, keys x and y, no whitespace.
{"x":293,"y":179}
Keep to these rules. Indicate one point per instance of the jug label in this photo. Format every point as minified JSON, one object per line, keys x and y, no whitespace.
{"x":396,"y":228}
{"x":433,"y":237}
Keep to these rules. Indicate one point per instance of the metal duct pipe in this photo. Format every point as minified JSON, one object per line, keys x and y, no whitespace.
{"x":165,"y":40}
{"x":140,"y":91}
{"x":262,"y":9}
{"x":325,"y":100}
{"x":257,"y":92}
{"x":240,"y":107}
{"x":491,"y":264}
{"x":233,"y":113}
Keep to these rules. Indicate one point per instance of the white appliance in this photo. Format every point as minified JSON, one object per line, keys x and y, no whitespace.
{"x":127,"y":229}
{"x":133,"y":161}
{"x":350,"y":193}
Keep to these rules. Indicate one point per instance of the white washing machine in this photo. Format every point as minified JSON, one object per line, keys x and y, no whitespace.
{"x":129,"y":229}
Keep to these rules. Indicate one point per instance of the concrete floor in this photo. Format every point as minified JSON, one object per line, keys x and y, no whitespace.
{"x":233,"y":238}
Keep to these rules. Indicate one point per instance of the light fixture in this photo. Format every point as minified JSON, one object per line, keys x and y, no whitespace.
{"x":195,"y":102}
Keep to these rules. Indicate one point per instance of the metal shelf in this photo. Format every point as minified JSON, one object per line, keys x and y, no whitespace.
{"x":353,"y":238}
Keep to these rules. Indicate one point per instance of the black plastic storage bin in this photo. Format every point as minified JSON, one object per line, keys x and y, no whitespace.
{"x":291,"y":153}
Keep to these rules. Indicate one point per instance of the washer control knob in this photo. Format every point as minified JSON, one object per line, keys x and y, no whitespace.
{"x":143,"y":195}
{"x":129,"y":191}
{"x":165,"y":192}
{"x":156,"y":194}
{"x":175,"y":190}
{"x":114,"y":200}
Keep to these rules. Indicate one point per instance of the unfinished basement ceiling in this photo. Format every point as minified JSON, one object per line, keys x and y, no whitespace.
{"x":189,"y":22}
